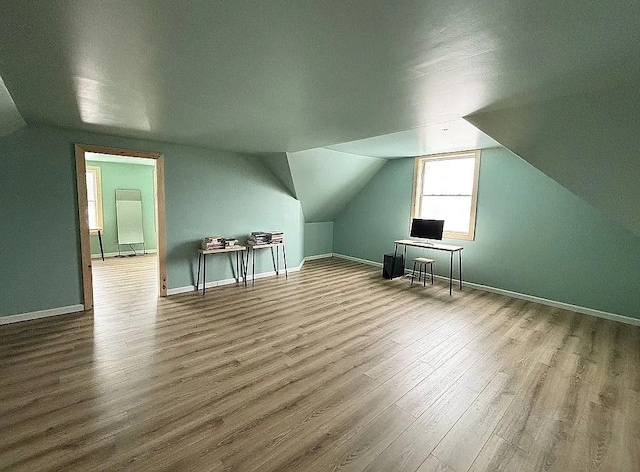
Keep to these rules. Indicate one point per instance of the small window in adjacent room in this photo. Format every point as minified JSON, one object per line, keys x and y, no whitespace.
{"x":94,"y":198}
{"x":446,"y":188}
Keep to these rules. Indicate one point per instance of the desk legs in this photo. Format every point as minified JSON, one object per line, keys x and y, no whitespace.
{"x":450,"y":273}
{"x":460,"y":267}
{"x":395,"y":255}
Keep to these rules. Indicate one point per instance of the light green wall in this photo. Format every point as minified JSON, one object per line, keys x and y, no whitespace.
{"x":128,"y":176}
{"x":318,"y":238}
{"x":532,"y":235}
{"x":207,"y":192}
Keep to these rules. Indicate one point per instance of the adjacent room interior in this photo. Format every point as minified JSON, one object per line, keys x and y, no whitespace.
{"x":140,"y":139}
{"x":122,"y":217}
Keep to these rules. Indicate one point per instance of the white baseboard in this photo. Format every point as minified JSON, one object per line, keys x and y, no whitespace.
{"x":545,"y":301}
{"x":522,"y":296}
{"x":123,"y":253}
{"x":318,"y":256}
{"x":220,"y":283}
{"x":357,"y":259}
{"x":34,"y":315}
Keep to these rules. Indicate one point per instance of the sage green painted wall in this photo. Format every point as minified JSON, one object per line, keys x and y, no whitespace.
{"x":532,"y":235}
{"x":318,"y":238}
{"x":128,"y":176}
{"x":207,"y":192}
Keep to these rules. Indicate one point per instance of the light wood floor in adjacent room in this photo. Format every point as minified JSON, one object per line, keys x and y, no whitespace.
{"x":334,"y":368}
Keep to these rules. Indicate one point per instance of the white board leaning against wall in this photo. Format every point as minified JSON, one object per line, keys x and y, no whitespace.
{"x":129,"y":216}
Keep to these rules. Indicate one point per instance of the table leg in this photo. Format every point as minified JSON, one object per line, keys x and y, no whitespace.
{"x":450,"y":273}
{"x":273,"y":261}
{"x":253,"y":267}
{"x":393,"y":262}
{"x":198,"y":278}
{"x":284,"y":257}
{"x":237,"y":274}
{"x":404,"y":260}
{"x":460,"y":267}
{"x":277,"y":260}
{"x":244,"y":266}
{"x":204,"y":274}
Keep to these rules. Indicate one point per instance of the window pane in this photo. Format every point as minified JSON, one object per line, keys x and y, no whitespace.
{"x":455,"y":211}
{"x":448,"y":177}
{"x":91,"y":186}
{"x":93,"y":216}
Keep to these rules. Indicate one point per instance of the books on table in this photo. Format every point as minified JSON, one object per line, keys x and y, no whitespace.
{"x":212,"y":242}
{"x":258,"y":238}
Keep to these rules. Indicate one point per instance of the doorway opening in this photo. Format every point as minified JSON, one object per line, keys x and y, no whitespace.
{"x":121,"y":227}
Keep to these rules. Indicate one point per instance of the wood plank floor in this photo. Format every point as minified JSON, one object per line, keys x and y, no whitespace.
{"x":332,"y":369}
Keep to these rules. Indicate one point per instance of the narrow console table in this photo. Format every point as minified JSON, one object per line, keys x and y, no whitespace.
{"x":251,"y":253}
{"x":240,"y":264}
{"x":436,"y":247}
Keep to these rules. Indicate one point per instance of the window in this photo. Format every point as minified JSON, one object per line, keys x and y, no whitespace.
{"x":446,"y":188}
{"x":94,"y":198}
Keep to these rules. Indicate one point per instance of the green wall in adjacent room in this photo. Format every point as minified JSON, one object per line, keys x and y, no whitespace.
{"x":532,"y":235}
{"x":207,"y":192}
{"x":114,"y":176}
{"x":318,"y":238}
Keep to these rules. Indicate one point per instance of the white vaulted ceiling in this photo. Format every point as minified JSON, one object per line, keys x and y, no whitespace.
{"x":275,"y":75}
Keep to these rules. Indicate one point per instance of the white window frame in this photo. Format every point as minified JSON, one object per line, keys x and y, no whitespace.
{"x":417,"y":189}
{"x":94,"y":171}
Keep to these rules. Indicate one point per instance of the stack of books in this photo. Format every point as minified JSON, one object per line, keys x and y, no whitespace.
{"x":277,"y":237}
{"x":259,"y":237}
{"x":263,"y":237}
{"x":213,"y":242}
{"x":230,"y":242}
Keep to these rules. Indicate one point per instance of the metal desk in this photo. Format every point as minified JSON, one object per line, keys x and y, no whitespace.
{"x":240,"y":264}
{"x":436,"y":247}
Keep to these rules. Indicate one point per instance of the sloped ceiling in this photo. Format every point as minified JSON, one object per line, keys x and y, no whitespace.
{"x":10,"y":118}
{"x":283,"y":76}
{"x":327,"y":180}
{"x":589,"y":143}
{"x":279,"y":165}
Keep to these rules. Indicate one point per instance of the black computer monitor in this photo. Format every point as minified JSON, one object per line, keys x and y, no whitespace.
{"x":427,"y":229}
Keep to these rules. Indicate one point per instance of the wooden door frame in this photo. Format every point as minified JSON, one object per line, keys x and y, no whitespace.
{"x":85,"y":241}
